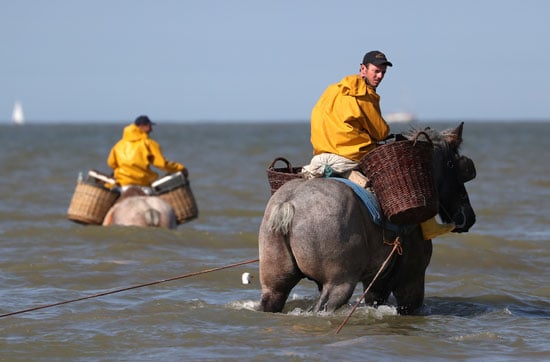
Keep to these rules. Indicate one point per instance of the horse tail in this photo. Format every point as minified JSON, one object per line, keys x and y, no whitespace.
{"x":152,"y":217}
{"x":280,"y":218}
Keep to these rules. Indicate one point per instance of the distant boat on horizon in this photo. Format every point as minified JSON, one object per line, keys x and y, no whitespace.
{"x":400,"y":117}
{"x":17,"y":116}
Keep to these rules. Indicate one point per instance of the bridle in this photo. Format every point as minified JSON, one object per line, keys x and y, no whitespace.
{"x":465,"y":171}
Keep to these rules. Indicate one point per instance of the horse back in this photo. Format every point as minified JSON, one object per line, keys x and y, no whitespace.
{"x":322,"y":225}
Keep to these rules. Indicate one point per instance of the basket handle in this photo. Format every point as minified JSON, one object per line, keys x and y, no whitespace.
{"x":288,"y":165}
{"x":425,"y":135}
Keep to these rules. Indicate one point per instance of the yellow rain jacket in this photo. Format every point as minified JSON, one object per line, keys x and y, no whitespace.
{"x":347,"y":120}
{"x":131,"y":157}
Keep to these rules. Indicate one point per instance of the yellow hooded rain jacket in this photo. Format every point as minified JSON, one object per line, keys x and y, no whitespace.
{"x":131,"y":157}
{"x":347,"y":120}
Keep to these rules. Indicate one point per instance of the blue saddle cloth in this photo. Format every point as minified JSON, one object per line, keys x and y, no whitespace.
{"x":371,"y":202}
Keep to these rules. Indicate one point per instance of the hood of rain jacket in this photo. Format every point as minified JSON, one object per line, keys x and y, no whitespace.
{"x":132,"y":156}
{"x":346,"y":120}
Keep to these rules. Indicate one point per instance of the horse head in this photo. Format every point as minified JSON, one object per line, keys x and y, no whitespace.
{"x":450,"y":172}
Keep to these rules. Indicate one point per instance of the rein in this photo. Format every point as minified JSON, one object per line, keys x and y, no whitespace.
{"x":131,"y":287}
{"x":396,"y":248}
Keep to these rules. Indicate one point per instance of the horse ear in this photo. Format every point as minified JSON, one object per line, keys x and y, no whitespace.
{"x":455,"y":137}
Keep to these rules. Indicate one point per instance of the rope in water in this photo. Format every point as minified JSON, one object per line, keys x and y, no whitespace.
{"x":131,"y":287}
{"x":396,"y":247}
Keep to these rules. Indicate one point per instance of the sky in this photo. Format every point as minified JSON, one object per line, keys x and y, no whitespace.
{"x":256,"y":60}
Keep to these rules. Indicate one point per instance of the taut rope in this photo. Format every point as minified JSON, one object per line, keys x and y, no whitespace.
{"x":396,"y":247}
{"x":131,"y":287}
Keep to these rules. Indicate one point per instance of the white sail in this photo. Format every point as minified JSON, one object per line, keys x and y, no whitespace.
{"x":17,"y":116}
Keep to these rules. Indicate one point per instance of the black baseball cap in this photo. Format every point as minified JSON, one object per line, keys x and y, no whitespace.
{"x":143,"y":120}
{"x":376,"y":57}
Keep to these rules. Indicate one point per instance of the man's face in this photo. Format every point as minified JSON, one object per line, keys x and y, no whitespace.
{"x":147,"y":128}
{"x":373,"y":73}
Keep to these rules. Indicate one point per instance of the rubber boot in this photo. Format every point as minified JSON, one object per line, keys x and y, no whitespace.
{"x":431,"y":229}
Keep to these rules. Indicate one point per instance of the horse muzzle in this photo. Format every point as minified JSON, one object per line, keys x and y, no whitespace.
{"x":464,"y":218}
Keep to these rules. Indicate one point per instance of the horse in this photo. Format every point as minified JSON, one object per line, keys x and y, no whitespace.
{"x":320,"y":230}
{"x":135,"y":208}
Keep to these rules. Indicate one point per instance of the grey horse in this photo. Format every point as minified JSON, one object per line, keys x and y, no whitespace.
{"x":134,"y":208}
{"x":320,"y":230}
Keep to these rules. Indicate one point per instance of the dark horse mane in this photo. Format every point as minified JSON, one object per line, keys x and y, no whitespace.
{"x":131,"y":192}
{"x":446,"y":139}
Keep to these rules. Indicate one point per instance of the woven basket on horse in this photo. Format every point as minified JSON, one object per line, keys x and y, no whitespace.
{"x":278,"y":176}
{"x":401,"y":175}
{"x":91,"y":200}
{"x":175,"y":189}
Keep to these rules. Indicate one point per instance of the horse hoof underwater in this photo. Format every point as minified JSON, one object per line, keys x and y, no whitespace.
{"x":135,"y":208}
{"x":319,"y":230}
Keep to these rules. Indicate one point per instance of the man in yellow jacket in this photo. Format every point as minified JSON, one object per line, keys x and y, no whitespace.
{"x":347,"y":120}
{"x":346,"y":124}
{"x":131,"y":157}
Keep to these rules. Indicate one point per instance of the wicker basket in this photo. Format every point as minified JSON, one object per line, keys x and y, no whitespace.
{"x":176,"y":190}
{"x":401,"y":175}
{"x":90,"y":203}
{"x":278,"y":176}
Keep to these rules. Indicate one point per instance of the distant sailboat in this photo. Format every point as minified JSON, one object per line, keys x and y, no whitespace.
{"x":17,"y":116}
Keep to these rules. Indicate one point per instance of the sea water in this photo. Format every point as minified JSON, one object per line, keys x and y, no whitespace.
{"x":487,"y":291}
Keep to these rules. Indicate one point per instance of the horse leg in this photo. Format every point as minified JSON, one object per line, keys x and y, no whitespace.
{"x":410,"y":297}
{"x":274,"y":297}
{"x":278,"y":272}
{"x":409,"y":287}
{"x":374,"y":296}
{"x":333,"y":296}
{"x":276,"y":288}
